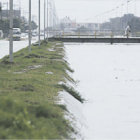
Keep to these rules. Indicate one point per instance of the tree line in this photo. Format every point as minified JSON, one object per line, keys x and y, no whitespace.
{"x":21,"y":23}
{"x":120,"y":23}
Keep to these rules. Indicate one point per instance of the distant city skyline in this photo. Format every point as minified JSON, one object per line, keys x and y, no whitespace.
{"x":82,"y":10}
{"x":89,"y":9}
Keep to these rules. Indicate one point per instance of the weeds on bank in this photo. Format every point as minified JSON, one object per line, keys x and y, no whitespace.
{"x":28,"y":94}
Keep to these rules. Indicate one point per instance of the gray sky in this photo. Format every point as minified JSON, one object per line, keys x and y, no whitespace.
{"x":84,"y":10}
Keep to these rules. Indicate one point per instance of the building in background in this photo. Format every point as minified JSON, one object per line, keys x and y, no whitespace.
{"x":5,"y":14}
{"x":66,"y":22}
{"x":89,"y":26}
{"x":4,"y":11}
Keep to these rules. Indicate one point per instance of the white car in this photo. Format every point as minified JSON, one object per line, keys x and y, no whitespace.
{"x":16,"y":34}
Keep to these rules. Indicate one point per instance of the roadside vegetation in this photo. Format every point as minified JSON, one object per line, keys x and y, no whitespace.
{"x":29,"y":90}
{"x":17,"y":23}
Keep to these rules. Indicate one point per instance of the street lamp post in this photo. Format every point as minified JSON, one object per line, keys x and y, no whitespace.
{"x":0,"y":7}
{"x":29,"y":35}
{"x":1,"y":10}
{"x":11,"y":31}
{"x":39,"y":23}
{"x":44,"y":19}
{"x":47,"y":20}
{"x":7,"y":11}
{"x":127,"y":6}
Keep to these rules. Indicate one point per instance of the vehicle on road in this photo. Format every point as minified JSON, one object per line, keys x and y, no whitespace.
{"x":16,"y":34}
{"x":24,"y":36}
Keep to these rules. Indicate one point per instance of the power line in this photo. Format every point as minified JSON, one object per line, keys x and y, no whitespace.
{"x":115,"y":9}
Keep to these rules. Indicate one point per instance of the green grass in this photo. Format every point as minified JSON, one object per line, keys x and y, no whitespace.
{"x":72,"y":92}
{"x":28,"y":95}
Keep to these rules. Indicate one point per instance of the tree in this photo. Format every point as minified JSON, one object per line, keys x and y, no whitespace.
{"x":120,"y":23}
{"x":18,"y":23}
{"x":34,"y":25}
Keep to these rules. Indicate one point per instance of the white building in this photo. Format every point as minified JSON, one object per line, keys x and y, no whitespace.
{"x":68,"y":23}
{"x":90,"y":26}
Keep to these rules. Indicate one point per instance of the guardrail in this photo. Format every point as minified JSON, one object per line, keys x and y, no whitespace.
{"x":92,"y":33}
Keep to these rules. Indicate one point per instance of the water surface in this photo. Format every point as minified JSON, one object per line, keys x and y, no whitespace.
{"x":110,"y":80}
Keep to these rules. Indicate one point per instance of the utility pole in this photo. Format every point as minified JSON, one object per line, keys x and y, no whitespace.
{"x":0,"y":7}
{"x":20,"y":8}
{"x":127,"y":12}
{"x":135,"y":7}
{"x":29,"y":35}
{"x":1,"y":10}
{"x":127,"y":6}
{"x":7,"y":11}
{"x":122,"y":16}
{"x":47,"y":20}
{"x":39,"y":23}
{"x":44,"y":19}
{"x":11,"y":31}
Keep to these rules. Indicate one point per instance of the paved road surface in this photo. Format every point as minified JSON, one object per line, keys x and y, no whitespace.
{"x":4,"y":46}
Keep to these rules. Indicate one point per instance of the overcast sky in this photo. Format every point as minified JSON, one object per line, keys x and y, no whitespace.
{"x":84,"y":10}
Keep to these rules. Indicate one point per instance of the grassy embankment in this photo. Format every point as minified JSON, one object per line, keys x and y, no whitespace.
{"x":29,"y":91}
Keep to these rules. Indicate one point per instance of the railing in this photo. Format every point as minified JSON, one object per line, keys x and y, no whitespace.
{"x":92,"y":34}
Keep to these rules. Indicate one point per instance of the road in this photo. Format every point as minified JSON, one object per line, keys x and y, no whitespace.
{"x":4,"y":46}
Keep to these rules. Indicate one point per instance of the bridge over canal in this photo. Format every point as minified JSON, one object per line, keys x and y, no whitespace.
{"x":95,"y":40}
